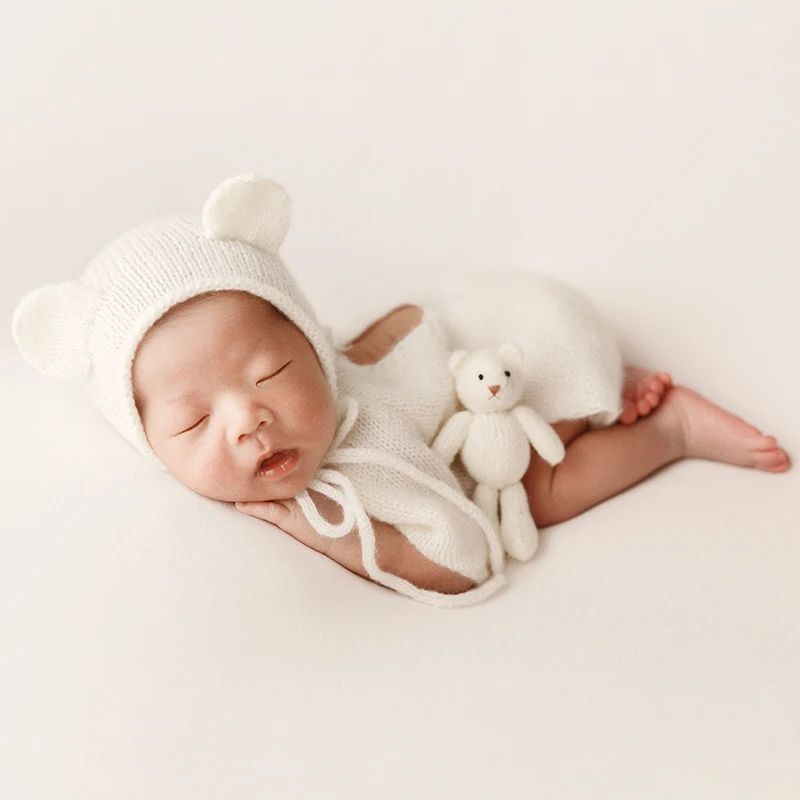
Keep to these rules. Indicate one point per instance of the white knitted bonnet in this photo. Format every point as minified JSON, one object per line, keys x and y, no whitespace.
{"x":91,"y":327}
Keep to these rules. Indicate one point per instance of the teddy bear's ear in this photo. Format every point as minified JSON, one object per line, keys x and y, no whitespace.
{"x":511,"y":354}
{"x":249,"y":209}
{"x":51,"y":328}
{"x":457,"y":361}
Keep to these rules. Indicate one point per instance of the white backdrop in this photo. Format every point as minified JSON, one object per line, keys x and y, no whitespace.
{"x":155,"y":644}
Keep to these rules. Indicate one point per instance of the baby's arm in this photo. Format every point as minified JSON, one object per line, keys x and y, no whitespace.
{"x":393,"y":552}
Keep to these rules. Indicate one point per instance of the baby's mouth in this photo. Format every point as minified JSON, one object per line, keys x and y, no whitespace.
{"x":276,"y":463}
{"x":270,"y":458}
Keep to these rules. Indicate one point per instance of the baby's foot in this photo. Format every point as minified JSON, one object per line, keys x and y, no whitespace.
{"x":708,"y":431}
{"x":642,"y":392}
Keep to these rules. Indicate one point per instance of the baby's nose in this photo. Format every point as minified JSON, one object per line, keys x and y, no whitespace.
{"x":241,"y":432}
{"x":494,"y":389}
{"x":246,"y":419}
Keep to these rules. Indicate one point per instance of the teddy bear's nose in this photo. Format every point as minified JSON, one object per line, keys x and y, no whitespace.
{"x":494,"y":389}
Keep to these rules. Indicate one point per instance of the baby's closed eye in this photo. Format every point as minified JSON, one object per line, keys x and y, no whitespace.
{"x":198,"y":422}
{"x":277,"y":372}
{"x":194,"y":426}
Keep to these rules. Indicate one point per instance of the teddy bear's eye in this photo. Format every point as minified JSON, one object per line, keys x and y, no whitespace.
{"x":508,"y":374}
{"x":480,"y":377}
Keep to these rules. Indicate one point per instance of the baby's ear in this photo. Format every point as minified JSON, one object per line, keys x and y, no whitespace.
{"x":457,"y":361}
{"x":248,"y":209}
{"x":51,"y":328}
{"x":511,"y":354}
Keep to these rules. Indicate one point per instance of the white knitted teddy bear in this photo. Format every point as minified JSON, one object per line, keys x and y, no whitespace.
{"x":494,"y":435}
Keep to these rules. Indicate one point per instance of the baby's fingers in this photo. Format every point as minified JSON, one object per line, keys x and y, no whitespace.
{"x":287,"y":516}
{"x":276,"y":513}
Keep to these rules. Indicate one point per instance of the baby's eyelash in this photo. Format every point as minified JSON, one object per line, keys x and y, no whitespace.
{"x":192,"y":427}
{"x":274,"y":373}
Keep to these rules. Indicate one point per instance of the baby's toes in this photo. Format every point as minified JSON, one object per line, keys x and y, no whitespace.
{"x":657,"y":387}
{"x":647,"y":403}
{"x":654,"y":398}
{"x":629,"y":414}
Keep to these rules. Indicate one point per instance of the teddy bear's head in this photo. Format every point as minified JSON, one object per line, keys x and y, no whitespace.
{"x":488,"y":380}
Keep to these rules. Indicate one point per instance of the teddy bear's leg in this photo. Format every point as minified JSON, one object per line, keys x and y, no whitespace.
{"x":486,"y":499}
{"x":517,"y":528}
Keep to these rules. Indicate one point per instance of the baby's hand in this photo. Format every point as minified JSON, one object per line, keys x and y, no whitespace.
{"x":286,"y":515}
{"x":395,"y":553}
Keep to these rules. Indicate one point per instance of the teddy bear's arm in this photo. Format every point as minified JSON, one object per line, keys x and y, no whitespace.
{"x":545,"y":441}
{"x":452,"y":436}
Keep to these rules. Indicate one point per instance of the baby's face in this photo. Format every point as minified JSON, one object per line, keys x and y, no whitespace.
{"x":226,"y":381}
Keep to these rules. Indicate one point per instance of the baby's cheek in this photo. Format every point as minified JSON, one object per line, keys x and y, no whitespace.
{"x":305,"y":400}
{"x":319,"y":415}
{"x":209,"y":472}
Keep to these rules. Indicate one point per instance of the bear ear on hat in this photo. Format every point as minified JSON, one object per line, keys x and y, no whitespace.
{"x":51,"y":327}
{"x":248,"y":209}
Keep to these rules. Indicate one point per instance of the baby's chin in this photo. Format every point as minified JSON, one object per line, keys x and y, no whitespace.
{"x":286,"y":489}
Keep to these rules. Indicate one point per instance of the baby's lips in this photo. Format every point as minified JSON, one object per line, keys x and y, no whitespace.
{"x":262,"y":459}
{"x":275,"y":453}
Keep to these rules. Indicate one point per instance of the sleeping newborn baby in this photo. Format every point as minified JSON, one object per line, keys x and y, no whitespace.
{"x":235,"y":403}
{"x":200,"y":349}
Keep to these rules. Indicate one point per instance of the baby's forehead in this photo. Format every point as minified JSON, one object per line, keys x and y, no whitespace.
{"x":216,"y":318}
{"x":205,"y":330}
{"x":232,"y":303}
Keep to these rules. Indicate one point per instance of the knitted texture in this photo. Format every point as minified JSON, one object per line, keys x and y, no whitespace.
{"x":415,"y":381}
{"x":573,"y":367}
{"x":93,"y":326}
{"x":494,"y":437}
{"x":379,"y":464}
{"x":494,"y":434}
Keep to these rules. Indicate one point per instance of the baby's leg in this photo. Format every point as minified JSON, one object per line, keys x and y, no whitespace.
{"x":602,"y":463}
